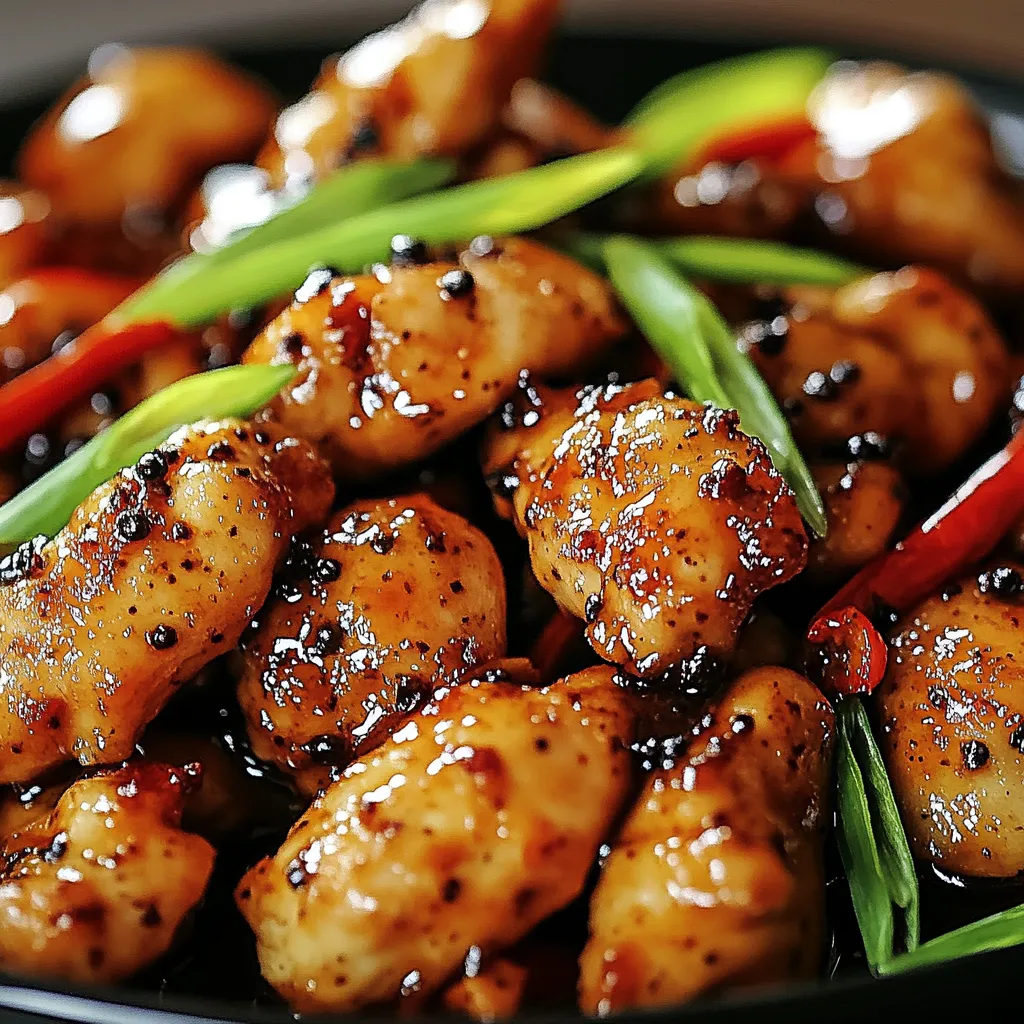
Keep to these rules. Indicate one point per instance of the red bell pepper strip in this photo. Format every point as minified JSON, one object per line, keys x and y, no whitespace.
{"x":32,"y":399}
{"x":852,"y":654}
{"x":967,"y":527}
{"x":766,"y":142}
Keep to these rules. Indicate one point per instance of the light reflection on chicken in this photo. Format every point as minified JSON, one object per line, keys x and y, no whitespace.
{"x":23,"y":230}
{"x":653,"y":518}
{"x":907,"y":355}
{"x":394,"y":599}
{"x":157,"y":573}
{"x":717,"y":877}
{"x":435,"y":82}
{"x":951,"y":709}
{"x":97,"y":889}
{"x":393,"y":367}
{"x":476,"y":820}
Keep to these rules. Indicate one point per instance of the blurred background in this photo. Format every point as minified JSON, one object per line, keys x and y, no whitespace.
{"x":40,"y":39}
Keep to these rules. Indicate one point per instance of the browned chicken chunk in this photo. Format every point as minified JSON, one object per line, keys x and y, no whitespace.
{"x":392,"y":367}
{"x":396,"y":598}
{"x":23,"y":234}
{"x":96,"y":890}
{"x":476,"y":820}
{"x":951,"y":709}
{"x":717,"y":877}
{"x":157,"y":573}
{"x":653,"y":518}
{"x":436,"y":82}
{"x":906,"y":355}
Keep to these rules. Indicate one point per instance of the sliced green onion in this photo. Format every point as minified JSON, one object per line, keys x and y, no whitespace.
{"x":760,"y":414}
{"x":47,"y":505}
{"x":679,"y":116}
{"x":665,"y":313}
{"x":872,"y":842}
{"x":352,"y":191}
{"x":689,"y":334}
{"x":506,"y":205}
{"x":1000,"y":931}
{"x":739,"y":260}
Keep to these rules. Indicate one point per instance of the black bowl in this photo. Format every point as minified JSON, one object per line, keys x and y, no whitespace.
{"x":606,"y":74}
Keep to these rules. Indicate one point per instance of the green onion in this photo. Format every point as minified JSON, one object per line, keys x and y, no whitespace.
{"x":47,"y":505}
{"x":513,"y":203}
{"x":872,"y":841}
{"x":665,"y":313}
{"x":682,"y":114}
{"x":1000,"y":931}
{"x":760,"y":414}
{"x":351,"y":191}
{"x":689,"y":334}
{"x":739,"y":260}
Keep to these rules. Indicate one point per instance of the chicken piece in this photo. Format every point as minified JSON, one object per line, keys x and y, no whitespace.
{"x":392,"y":367}
{"x":653,"y":518}
{"x":23,"y":230}
{"x":138,"y":132}
{"x":906,"y":355}
{"x":951,"y":708}
{"x":476,"y":820}
{"x":157,"y":573}
{"x":96,"y":890}
{"x":396,"y":597}
{"x":46,"y":308}
{"x":864,"y":502}
{"x":903,"y":171}
{"x":492,"y":993}
{"x":21,"y":806}
{"x":435,"y":82}
{"x":717,"y":878}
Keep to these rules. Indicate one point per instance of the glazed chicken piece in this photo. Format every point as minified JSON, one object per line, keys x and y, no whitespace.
{"x":951,"y":709}
{"x":123,"y":149}
{"x":717,"y":878}
{"x":23,"y":230}
{"x":396,"y":598}
{"x":494,"y":992}
{"x":46,"y":308}
{"x":906,"y":355}
{"x":476,"y":820}
{"x":435,"y":82}
{"x":157,"y":573}
{"x":653,"y":518}
{"x":864,"y":501}
{"x":96,"y":890}
{"x":393,"y":366}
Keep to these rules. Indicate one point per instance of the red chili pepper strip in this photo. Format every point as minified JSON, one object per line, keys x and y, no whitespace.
{"x":852,"y":654}
{"x":967,"y":527}
{"x":765,"y":141}
{"x":32,"y":399}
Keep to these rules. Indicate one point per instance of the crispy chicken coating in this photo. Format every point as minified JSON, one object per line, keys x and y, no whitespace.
{"x":717,"y":878}
{"x":476,"y":820}
{"x":653,"y":518}
{"x":396,"y":597}
{"x":951,"y":709}
{"x":907,"y":355}
{"x":392,"y":367}
{"x":157,"y":573}
{"x":96,"y":890}
{"x":435,"y":82}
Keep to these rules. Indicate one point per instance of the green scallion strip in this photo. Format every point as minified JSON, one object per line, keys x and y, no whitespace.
{"x":1000,"y":931}
{"x":349,"y":192}
{"x":760,"y":414}
{"x":505,"y":205}
{"x":872,"y":842}
{"x":738,"y":260}
{"x":731,"y":95}
{"x":47,"y":505}
{"x":665,"y":313}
